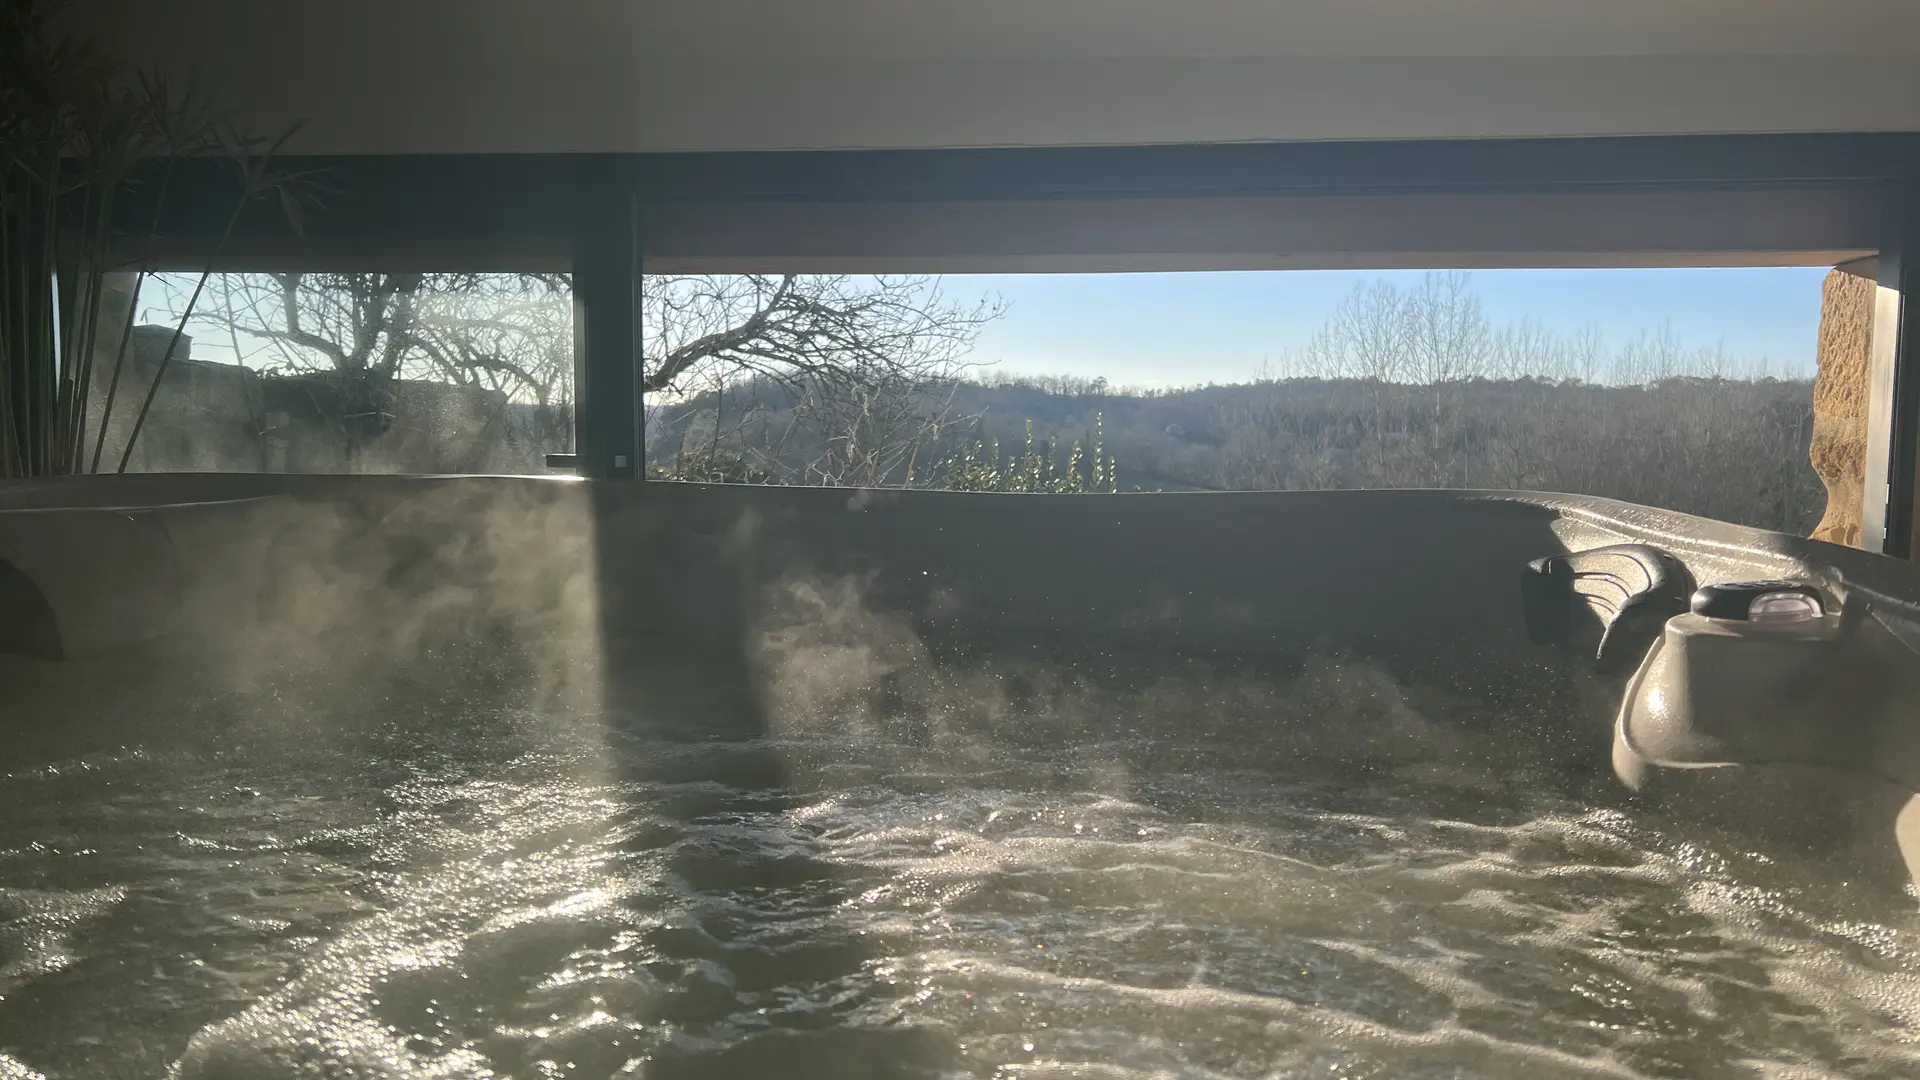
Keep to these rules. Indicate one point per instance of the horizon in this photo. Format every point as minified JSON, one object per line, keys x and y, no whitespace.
{"x":1160,"y":331}
{"x":1225,"y":328}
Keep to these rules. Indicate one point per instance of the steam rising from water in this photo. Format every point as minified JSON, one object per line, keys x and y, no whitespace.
{"x":875,"y":864}
{"x":498,"y":581}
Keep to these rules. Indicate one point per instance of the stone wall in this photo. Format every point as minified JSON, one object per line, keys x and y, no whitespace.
{"x":1840,"y":393}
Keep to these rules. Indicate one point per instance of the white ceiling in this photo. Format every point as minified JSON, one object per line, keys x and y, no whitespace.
{"x":1267,"y":28}
{"x":379,"y":76}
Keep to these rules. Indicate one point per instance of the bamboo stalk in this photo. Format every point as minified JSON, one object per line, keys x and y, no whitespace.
{"x":126,"y":334}
{"x":119,"y":364}
{"x":10,"y":353}
{"x":179,"y":331}
{"x":76,"y":443}
{"x":45,"y":320}
{"x":255,"y":179}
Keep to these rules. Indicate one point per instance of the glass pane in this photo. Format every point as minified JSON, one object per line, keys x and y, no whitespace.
{"x":806,"y":379}
{"x":1686,"y":389}
{"x":337,"y":373}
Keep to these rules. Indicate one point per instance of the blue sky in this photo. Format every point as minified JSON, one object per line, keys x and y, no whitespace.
{"x":1182,"y":329}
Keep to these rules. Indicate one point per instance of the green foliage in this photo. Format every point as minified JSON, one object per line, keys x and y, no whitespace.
{"x":1036,"y":470}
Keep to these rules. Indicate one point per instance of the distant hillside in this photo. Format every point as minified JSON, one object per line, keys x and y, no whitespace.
{"x":1733,"y":449}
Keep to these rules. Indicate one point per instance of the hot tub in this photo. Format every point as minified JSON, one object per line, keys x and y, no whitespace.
{"x":498,"y":776}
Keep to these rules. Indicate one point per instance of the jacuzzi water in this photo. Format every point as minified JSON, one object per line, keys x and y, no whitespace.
{"x":1035,"y":879}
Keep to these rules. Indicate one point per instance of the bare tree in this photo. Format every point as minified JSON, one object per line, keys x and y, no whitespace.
{"x":865,"y":355}
{"x":1418,"y":389}
{"x":1272,"y":445}
{"x":355,"y":349}
{"x":867,"y":366}
{"x":494,"y":330}
{"x":805,"y":330}
{"x":874,"y":431}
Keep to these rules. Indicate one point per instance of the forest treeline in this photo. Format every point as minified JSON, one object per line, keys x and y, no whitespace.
{"x":1402,"y":386}
{"x":853,"y":381}
{"x":1728,"y":448}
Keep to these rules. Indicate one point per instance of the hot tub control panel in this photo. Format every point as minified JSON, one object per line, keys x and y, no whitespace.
{"x":1759,"y":602}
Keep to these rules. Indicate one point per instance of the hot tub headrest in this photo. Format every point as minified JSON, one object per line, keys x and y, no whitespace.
{"x":1631,"y":590}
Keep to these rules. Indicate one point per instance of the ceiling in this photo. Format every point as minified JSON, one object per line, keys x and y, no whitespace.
{"x":1047,"y":29}
{"x":449,"y":76}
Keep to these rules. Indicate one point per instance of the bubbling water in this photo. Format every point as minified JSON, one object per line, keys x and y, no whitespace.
{"x":1003,"y":870}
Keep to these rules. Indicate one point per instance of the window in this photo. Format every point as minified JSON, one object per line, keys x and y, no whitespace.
{"x":1689,"y":389}
{"x":335,"y":373}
